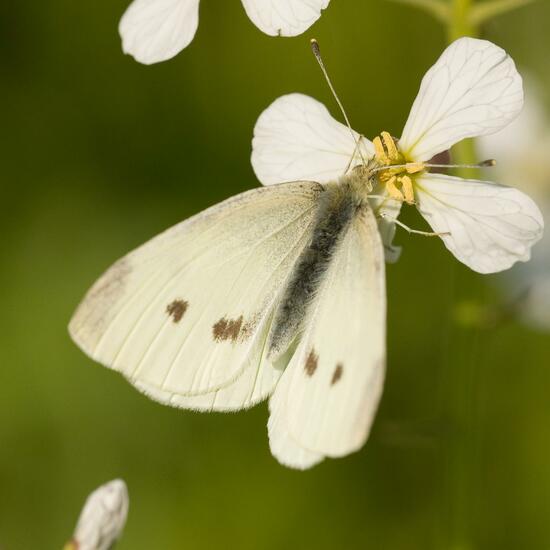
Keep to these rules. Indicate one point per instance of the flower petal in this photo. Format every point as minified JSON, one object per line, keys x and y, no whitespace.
{"x":474,"y":89}
{"x":491,"y":226}
{"x":284,"y":17}
{"x":296,"y":138}
{"x":157,"y":30}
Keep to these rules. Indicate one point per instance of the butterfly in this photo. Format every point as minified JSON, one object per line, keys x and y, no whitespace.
{"x":279,"y":292}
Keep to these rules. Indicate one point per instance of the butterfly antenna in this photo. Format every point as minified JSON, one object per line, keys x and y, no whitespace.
{"x":317,"y":53}
{"x":489,"y":163}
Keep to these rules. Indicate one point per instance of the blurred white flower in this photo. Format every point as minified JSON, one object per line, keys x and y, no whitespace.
{"x":522,"y":151}
{"x":157,"y":30}
{"x":102,"y":519}
{"x":473,"y":89}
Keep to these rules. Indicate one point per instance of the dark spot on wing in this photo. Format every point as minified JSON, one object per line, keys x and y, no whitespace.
{"x":248,"y":328}
{"x":311,"y":363}
{"x":227,"y":329}
{"x":337,"y":374}
{"x":177,"y":309}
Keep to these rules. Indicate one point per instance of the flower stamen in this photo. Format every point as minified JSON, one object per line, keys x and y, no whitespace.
{"x":414,"y":167}
{"x":389,"y":145}
{"x":392,"y":190}
{"x":407,"y":189}
{"x":394,"y":172}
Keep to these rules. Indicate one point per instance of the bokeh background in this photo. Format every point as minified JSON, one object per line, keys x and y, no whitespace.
{"x":99,"y":153}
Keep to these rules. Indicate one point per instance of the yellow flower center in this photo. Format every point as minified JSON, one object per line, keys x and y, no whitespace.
{"x":398,"y":181}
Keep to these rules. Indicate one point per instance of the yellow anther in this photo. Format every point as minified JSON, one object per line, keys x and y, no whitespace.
{"x":379,"y":151}
{"x":393,"y":170}
{"x":407,"y":189}
{"x":393,"y":192}
{"x":393,"y":153}
{"x":414,"y":167}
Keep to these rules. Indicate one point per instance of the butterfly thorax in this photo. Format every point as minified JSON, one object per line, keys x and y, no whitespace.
{"x":340,"y":202}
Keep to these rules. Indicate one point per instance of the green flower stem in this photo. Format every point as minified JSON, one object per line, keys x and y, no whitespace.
{"x":461,"y":24}
{"x":459,"y":466}
{"x":461,"y":460}
{"x":463,"y":347}
{"x":460,"y":21}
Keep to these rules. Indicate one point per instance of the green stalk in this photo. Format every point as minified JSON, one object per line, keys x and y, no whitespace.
{"x":458,"y":465}
{"x":460,"y":22}
{"x":464,"y":344}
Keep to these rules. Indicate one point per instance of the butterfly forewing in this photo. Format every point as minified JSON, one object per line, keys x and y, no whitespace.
{"x":254,"y":384}
{"x":187,"y":313}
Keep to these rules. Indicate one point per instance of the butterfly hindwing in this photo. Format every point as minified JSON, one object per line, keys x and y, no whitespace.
{"x":325,"y":402}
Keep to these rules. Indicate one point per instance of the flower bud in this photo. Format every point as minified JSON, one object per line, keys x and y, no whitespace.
{"x":102,"y":519}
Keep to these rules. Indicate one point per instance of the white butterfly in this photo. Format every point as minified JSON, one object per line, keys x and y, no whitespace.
{"x":281,"y":279}
{"x":278,"y":292}
{"x":157,"y":30}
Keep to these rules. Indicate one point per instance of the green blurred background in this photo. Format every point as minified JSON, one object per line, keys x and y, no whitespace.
{"x":99,"y":153}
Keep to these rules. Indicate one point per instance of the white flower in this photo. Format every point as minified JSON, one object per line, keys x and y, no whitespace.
{"x":523,"y":149}
{"x":157,"y":30}
{"x":472,"y":90}
{"x":102,"y":519}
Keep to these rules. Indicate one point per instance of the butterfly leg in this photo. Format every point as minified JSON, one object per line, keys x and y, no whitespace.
{"x":414,"y":231}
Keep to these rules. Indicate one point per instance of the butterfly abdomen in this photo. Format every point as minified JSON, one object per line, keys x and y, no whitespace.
{"x":338,"y":206}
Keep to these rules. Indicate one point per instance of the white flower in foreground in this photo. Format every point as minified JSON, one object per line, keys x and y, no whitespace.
{"x":474,"y":89}
{"x":523,"y":149}
{"x":157,"y":30}
{"x":102,"y":519}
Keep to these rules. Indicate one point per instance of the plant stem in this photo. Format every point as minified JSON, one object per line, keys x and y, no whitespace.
{"x":460,"y":406}
{"x":460,"y":22}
